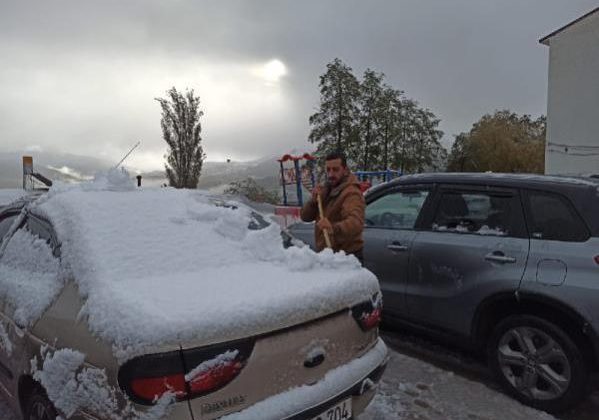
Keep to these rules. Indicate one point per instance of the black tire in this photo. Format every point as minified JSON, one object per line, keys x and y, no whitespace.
{"x":538,"y":363}
{"x":39,"y":407}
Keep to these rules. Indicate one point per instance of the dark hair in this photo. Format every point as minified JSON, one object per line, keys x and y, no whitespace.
{"x":337,"y":155}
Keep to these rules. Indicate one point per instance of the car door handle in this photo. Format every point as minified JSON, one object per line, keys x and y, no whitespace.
{"x":500,"y":257}
{"x":397,"y":247}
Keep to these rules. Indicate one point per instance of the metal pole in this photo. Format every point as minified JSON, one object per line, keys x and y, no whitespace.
{"x":127,"y":155}
{"x":283,"y":184}
{"x":298,"y":181}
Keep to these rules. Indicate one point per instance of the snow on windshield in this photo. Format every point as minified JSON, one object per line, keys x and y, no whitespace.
{"x":163,"y":265}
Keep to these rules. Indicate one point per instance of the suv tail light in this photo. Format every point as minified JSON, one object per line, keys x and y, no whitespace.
{"x":369,"y":314}
{"x":597,"y":259}
{"x":186,"y":374}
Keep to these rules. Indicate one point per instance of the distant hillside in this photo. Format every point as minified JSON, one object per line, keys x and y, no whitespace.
{"x":73,"y":168}
{"x":64,"y":167}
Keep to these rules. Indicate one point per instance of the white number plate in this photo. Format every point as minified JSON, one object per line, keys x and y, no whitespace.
{"x":340,"y":411}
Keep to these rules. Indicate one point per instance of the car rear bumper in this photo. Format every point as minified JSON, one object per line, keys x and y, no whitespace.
{"x":357,"y":379}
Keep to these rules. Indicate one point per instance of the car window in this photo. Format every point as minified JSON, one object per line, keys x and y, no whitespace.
{"x":478,"y":213}
{"x":553,"y":218}
{"x":396,"y":210}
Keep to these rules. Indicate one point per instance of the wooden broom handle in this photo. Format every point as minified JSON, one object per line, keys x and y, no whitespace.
{"x":327,"y":240}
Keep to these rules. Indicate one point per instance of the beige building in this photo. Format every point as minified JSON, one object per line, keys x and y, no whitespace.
{"x":573,"y":98}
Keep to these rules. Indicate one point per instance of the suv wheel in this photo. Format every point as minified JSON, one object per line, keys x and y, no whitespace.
{"x":39,"y":407}
{"x":538,"y":363}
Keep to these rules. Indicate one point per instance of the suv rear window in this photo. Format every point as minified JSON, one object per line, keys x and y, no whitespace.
{"x":553,"y":218}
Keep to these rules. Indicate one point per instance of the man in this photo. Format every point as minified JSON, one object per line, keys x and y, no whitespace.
{"x":343,"y":208}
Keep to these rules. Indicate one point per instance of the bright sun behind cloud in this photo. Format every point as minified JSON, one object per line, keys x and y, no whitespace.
{"x":272,"y":71}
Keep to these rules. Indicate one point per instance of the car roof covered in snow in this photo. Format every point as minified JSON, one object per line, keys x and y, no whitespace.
{"x":161,"y":265}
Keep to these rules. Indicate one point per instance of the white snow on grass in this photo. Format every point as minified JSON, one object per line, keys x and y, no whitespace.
{"x":166,"y":266}
{"x":29,"y":277}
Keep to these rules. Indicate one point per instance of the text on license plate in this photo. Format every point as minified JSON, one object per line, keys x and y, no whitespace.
{"x":340,"y":411}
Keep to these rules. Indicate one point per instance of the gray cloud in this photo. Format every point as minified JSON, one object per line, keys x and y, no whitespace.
{"x":80,"y":76}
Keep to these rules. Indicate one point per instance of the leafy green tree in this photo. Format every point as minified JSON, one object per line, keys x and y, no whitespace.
{"x":502,"y":142}
{"x":181,"y":129}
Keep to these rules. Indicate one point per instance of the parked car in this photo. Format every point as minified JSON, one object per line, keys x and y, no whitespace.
{"x":505,"y":263}
{"x":131,"y":304}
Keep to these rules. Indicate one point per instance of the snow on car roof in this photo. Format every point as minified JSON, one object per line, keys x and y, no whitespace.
{"x":8,"y":195}
{"x":157,"y":266}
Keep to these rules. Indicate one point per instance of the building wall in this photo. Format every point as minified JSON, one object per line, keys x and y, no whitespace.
{"x":573,"y":100}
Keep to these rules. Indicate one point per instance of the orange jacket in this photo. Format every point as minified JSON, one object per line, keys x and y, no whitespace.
{"x":344,"y":207}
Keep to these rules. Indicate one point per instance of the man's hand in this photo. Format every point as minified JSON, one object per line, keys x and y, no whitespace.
{"x":316,"y":191}
{"x":325,"y":225}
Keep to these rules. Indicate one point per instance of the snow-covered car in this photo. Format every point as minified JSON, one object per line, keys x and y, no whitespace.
{"x":122,"y":303}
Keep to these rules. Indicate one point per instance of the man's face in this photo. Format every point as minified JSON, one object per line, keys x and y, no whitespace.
{"x":335,"y":171}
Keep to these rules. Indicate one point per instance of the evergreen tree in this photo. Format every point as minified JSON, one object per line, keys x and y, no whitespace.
{"x":334,"y":126}
{"x":371,"y":94}
{"x":374,"y":124}
{"x":181,"y":130}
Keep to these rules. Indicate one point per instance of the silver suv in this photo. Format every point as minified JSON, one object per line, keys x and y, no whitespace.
{"x":504,"y":263}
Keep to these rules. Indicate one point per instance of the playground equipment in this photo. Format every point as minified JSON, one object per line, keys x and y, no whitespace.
{"x":298,"y":175}
{"x":298,"y":172}
{"x":369,"y":178}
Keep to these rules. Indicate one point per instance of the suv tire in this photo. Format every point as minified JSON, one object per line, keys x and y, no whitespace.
{"x":538,"y":363}
{"x":39,"y":407}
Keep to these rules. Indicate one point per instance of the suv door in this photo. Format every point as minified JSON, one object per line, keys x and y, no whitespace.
{"x":391,"y":219}
{"x":561,"y":249}
{"x":474,"y":245}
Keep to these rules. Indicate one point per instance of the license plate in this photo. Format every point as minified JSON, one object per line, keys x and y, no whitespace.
{"x":340,"y":411}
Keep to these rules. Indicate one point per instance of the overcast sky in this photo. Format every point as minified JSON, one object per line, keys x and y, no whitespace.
{"x":81,"y":76}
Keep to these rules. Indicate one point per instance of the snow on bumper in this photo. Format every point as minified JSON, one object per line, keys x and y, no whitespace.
{"x":337,"y":383}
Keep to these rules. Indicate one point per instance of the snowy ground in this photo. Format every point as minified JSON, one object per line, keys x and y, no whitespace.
{"x":413,"y":389}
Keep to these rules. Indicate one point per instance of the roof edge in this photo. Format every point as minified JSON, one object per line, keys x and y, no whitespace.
{"x":545,"y":39}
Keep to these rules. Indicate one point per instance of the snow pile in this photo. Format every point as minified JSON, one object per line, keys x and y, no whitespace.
{"x":167,"y":266}
{"x":29,"y":277}
{"x":71,"y":386}
{"x":5,"y":343}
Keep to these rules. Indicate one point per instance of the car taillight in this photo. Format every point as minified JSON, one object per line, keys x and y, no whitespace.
{"x":369,"y":314}
{"x":215,"y":373}
{"x":597,"y":259}
{"x":150,"y":389}
{"x":187,"y":374}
